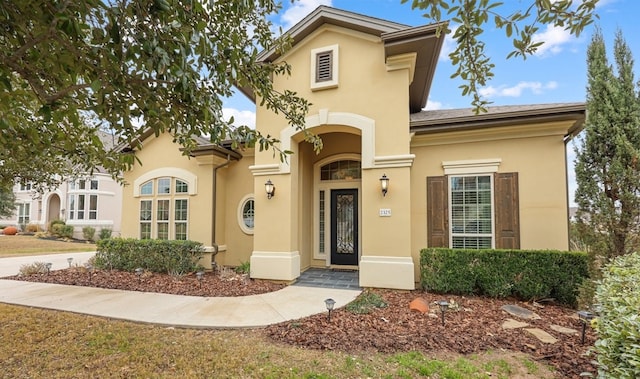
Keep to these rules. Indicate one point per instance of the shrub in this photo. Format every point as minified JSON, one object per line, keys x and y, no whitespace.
{"x":32,"y":228}
{"x":523,"y":274}
{"x":55,"y":222}
{"x":175,"y":257}
{"x":66,"y":231}
{"x":105,"y":233}
{"x":618,"y":324}
{"x":88,"y":232}
{"x":244,"y":268}
{"x":10,"y":231}
{"x":34,"y":268}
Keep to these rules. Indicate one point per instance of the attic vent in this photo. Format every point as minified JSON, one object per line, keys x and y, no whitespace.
{"x":324,"y":67}
{"x":324,"y":64}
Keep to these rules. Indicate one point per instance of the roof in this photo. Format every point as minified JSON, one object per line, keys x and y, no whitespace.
{"x":397,"y":38}
{"x":434,"y":121}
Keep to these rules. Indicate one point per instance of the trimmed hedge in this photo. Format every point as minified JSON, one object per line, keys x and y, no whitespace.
{"x":163,"y":256}
{"x":524,"y":274}
{"x":618,"y":324}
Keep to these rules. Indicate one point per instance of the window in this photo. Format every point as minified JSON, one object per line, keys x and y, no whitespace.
{"x":321,"y":221}
{"x":25,"y":186}
{"x":164,"y":186}
{"x":94,"y":184}
{"x":324,"y":67}
{"x":180,"y":219}
{"x":162,"y":219}
{"x":473,"y":211}
{"x":146,"y":212}
{"x":147,"y":188}
{"x":81,"y":184}
{"x":72,"y":207}
{"x":341,"y":170}
{"x":181,"y":187}
{"x":24,"y":213}
{"x":93,"y":207}
{"x":81,"y":207}
{"x":246,"y":214}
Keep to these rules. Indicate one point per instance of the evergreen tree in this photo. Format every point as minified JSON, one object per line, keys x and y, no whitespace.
{"x":608,"y":157}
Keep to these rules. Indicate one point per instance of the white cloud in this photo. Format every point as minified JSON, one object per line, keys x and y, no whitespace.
{"x":299,"y":10}
{"x":554,"y":38}
{"x":448,"y":45}
{"x":536,"y":88}
{"x":247,"y":118}
{"x":433,"y":105}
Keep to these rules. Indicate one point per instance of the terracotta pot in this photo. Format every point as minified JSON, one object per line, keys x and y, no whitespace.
{"x":10,"y":231}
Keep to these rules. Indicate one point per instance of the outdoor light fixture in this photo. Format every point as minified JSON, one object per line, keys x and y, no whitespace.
{"x":89,"y":270}
{"x":443,"y":304}
{"x":384,"y":184}
{"x":139,"y":271}
{"x":199,"y":276}
{"x":48,"y":265}
{"x":69,"y":260}
{"x":585,"y":317}
{"x":270,"y":189}
{"x":329,"y":303}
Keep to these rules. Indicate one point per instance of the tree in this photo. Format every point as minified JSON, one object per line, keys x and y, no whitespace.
{"x":7,"y":202}
{"x":471,"y":17}
{"x":71,"y":67}
{"x":608,"y":155}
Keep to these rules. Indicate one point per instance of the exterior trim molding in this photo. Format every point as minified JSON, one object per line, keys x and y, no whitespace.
{"x":385,"y":161}
{"x":275,"y":265}
{"x":387,"y":272}
{"x":401,"y":62}
{"x":189,"y":177}
{"x":265,"y":169}
{"x":474,"y":166}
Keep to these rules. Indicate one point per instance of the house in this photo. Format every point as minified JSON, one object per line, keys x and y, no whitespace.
{"x":87,"y":200}
{"x":391,"y":179}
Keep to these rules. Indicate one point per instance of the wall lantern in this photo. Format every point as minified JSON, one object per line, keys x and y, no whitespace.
{"x":443,"y":304}
{"x":384,"y":184}
{"x":329,"y":303}
{"x":270,"y":189}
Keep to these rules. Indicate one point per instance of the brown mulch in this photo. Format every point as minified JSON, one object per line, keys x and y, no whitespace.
{"x":476,"y":325}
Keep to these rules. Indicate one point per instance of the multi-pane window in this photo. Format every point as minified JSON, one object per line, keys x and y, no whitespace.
{"x":146,"y":215}
{"x":471,"y":212}
{"x":341,"y":170}
{"x":83,"y":205}
{"x":25,"y":186}
{"x":24,"y":213}
{"x":170,"y":218}
{"x":321,"y":215}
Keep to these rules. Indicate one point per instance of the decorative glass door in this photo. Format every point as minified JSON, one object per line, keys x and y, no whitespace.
{"x":344,"y":227}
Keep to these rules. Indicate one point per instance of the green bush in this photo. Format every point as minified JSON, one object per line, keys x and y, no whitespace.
{"x":105,"y":233}
{"x":66,"y":231}
{"x":175,"y":257}
{"x":522,"y":274}
{"x":618,"y":324}
{"x":89,"y":232}
{"x":56,"y":229}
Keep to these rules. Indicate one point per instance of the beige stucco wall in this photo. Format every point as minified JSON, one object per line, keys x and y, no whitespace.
{"x":536,"y":152}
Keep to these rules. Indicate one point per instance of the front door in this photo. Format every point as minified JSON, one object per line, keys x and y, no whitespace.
{"x":344,"y":227}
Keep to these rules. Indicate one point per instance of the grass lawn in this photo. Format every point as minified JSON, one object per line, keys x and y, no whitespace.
{"x":41,"y":343}
{"x":21,"y":245}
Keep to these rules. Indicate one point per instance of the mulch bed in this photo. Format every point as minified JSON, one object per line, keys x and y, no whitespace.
{"x":475,"y":327}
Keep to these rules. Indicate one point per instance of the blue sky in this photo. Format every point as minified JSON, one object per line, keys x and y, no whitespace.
{"x":557,"y":73}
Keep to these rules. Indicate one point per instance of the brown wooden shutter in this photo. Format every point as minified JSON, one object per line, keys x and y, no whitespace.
{"x":437,"y":212}
{"x":507,"y":210}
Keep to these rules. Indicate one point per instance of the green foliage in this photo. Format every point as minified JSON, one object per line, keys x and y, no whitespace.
{"x":105,"y":233}
{"x":174,"y":257}
{"x":366,"y":303}
{"x":474,"y":67}
{"x":70,"y":70}
{"x":89,"y":233}
{"x":618,"y":324}
{"x":244,"y":268}
{"x":523,"y":274}
{"x":7,"y":201}
{"x":66,"y":231}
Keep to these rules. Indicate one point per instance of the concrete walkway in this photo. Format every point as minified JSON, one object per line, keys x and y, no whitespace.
{"x":290,"y":303}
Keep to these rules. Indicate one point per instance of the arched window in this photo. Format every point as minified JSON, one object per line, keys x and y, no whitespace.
{"x":341,"y":170}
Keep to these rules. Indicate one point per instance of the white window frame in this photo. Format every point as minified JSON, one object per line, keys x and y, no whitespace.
{"x":24,"y":213}
{"x":450,"y":205}
{"x":243,"y":226}
{"x":145,"y":221}
{"x":325,"y":84}
{"x":177,"y":221}
{"x":163,"y":221}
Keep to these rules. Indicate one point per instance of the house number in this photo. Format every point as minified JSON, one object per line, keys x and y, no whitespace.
{"x":385,"y":212}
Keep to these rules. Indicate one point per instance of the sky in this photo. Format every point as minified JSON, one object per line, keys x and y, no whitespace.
{"x":555,"y":74}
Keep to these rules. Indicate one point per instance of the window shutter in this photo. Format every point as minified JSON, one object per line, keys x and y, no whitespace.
{"x":437,"y":212}
{"x":324,"y":66}
{"x":507,"y":210}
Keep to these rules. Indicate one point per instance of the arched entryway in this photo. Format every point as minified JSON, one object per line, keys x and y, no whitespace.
{"x":53,"y":208}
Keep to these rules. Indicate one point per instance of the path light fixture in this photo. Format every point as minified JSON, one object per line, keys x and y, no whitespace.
{"x":90,"y":271}
{"x":139,"y":272}
{"x":444,"y":305}
{"x":69,"y":260}
{"x":270,"y":189}
{"x":329,"y":303}
{"x":384,"y":184}
{"x":48,"y":266}
{"x":585,"y":317}
{"x":199,"y":276}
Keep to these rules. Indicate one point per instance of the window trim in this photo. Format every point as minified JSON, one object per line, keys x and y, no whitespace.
{"x":334,"y":62}
{"x":177,"y":221}
{"x":491,"y":201}
{"x":240,"y":214}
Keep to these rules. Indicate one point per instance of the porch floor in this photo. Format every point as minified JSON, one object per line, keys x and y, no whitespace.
{"x":329,"y":278}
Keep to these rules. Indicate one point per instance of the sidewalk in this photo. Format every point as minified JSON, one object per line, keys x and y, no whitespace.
{"x":290,"y":303}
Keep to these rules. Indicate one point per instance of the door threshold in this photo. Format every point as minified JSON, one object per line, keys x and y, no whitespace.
{"x":344,"y":267}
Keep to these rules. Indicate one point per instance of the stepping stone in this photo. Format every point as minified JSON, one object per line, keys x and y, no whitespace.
{"x":513,"y":324}
{"x":517,"y":311}
{"x":543,"y":336}
{"x":563,"y":330}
